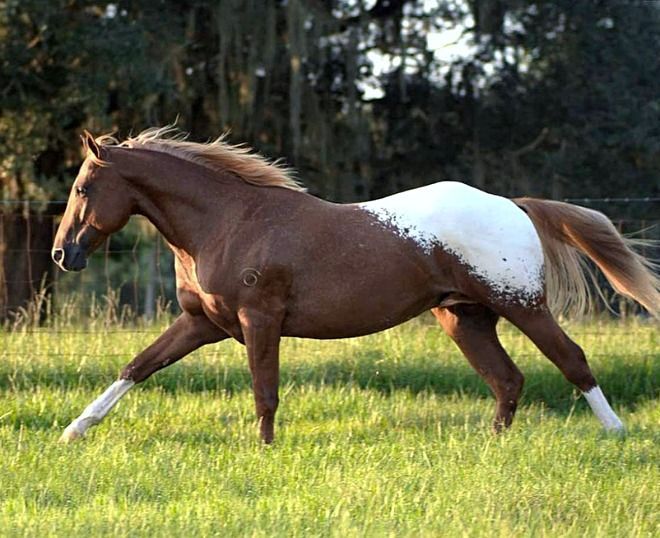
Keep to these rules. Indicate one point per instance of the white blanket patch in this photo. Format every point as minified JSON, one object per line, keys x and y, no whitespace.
{"x":488,"y":233}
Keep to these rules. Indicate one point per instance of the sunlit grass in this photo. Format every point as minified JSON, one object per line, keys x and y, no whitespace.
{"x":384,"y":435}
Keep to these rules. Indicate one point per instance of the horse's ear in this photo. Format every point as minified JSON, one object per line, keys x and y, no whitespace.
{"x":89,"y":143}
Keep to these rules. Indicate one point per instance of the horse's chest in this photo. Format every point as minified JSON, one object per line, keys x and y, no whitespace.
{"x":195,"y":300}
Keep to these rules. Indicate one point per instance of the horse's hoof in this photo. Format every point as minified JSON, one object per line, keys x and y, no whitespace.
{"x":69,"y":435}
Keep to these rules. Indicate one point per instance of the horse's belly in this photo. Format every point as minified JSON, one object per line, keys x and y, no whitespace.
{"x":362,"y":294}
{"x":354,"y":318}
{"x":492,"y":237}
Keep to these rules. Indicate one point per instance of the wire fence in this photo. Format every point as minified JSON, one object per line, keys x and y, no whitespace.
{"x":131,"y":273}
{"x":131,"y":278}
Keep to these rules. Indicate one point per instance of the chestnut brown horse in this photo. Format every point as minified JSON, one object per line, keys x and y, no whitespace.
{"x":257,"y":258}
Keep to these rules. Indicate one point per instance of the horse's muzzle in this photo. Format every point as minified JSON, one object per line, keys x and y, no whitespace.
{"x":71,"y":257}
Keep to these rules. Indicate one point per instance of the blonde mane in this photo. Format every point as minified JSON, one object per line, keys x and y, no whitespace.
{"x":218,"y":155}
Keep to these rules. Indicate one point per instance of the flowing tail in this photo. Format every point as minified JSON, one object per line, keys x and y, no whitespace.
{"x":568,"y":233}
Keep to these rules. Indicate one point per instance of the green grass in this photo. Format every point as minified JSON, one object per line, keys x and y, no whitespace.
{"x":386,"y":435}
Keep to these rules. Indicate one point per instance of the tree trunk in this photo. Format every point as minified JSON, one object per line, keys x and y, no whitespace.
{"x":25,"y":264}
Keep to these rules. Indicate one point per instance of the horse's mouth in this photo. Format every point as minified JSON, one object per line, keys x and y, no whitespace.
{"x":72,"y":258}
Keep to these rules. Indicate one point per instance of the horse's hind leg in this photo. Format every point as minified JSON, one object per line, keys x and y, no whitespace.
{"x":472,"y":327}
{"x":554,"y":343}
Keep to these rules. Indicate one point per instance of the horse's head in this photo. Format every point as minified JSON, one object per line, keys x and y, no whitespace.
{"x":99,"y":205}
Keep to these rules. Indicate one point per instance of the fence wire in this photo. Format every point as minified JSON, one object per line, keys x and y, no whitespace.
{"x":131,"y":277}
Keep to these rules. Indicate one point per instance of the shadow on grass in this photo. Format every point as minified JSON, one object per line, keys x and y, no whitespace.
{"x":625,"y":381}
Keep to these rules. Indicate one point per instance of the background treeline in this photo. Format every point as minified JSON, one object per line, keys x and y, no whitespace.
{"x":556,"y":98}
{"x":549,"y":98}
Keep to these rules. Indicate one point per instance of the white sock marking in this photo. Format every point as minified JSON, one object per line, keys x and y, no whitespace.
{"x":99,"y":408}
{"x":602,"y":409}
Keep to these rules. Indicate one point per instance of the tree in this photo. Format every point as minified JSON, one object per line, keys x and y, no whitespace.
{"x":550,"y":98}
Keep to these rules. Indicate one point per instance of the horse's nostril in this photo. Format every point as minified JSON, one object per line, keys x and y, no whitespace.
{"x":58,"y":254}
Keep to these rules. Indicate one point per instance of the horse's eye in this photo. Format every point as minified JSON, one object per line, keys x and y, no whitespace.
{"x":81,"y":191}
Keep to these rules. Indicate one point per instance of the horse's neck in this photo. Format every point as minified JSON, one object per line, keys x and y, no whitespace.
{"x":182,"y":199}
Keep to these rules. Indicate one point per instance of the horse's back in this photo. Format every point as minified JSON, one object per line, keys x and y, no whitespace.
{"x":490,"y":235}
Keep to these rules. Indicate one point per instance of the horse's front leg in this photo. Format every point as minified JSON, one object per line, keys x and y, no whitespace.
{"x":186,"y":334}
{"x":261,"y":332}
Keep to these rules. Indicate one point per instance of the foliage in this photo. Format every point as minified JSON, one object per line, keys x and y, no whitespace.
{"x":551,"y":98}
{"x":65,"y":65}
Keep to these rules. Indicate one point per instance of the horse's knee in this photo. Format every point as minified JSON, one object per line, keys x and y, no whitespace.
{"x":508,"y":389}
{"x":266,"y":404}
{"x":515,"y":384}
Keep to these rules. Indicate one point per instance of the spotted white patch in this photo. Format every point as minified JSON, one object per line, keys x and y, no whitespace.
{"x":602,"y":409}
{"x":99,"y":408}
{"x":492,"y":236}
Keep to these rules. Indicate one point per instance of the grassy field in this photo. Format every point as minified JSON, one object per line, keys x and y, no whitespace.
{"x":386,"y":435}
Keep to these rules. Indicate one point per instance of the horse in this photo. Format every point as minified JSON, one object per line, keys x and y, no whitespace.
{"x":257,"y":258}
